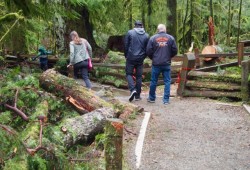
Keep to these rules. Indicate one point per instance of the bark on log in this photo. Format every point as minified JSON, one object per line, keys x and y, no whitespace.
{"x":213,"y":85}
{"x":214,"y":76}
{"x":66,"y":87}
{"x":82,"y":129}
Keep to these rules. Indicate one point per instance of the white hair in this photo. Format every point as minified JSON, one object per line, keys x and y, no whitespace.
{"x":161,"y":28}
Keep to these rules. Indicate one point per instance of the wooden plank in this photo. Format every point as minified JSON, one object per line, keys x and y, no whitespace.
{"x":246,"y":43}
{"x":223,"y":55}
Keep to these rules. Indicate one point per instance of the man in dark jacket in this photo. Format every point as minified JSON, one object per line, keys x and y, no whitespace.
{"x":135,"y":52}
{"x":161,"y":49}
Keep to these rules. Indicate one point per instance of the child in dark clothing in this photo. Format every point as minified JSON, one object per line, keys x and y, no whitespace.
{"x":43,"y":57}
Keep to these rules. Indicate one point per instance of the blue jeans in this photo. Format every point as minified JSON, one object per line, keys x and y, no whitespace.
{"x":166,"y":72}
{"x":137,"y":83}
{"x":83,"y":68}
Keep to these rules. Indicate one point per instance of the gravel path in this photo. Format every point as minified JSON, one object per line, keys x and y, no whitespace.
{"x":190,"y":133}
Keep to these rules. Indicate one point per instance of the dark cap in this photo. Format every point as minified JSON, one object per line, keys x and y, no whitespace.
{"x":138,"y":23}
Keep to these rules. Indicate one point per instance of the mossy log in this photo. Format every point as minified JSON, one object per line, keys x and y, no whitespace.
{"x":213,"y":85}
{"x":82,"y":129}
{"x":83,"y":99}
{"x":210,"y":93}
{"x":234,"y":78}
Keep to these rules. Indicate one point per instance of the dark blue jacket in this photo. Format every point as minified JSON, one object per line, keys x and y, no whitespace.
{"x":161,"y":48}
{"x":135,"y":44}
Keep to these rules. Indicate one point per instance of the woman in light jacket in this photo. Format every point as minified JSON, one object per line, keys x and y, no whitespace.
{"x":80,"y":53}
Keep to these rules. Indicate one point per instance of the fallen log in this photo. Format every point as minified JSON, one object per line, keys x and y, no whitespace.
{"x":82,"y":99}
{"x":210,"y":93}
{"x":82,"y":129}
{"x":213,"y":85}
{"x":213,"y":76}
{"x":66,"y":87}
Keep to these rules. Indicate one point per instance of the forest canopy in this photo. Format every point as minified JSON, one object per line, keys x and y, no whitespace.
{"x":25,"y":25}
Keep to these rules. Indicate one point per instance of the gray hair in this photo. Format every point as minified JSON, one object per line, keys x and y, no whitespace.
{"x":161,"y":28}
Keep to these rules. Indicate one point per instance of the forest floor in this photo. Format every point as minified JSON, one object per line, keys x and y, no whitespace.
{"x":189,"y":133}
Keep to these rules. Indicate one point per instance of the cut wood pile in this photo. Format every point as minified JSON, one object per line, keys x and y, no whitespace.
{"x":219,"y":81}
{"x":212,"y":84}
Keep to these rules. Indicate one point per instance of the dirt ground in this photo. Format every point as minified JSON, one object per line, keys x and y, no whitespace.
{"x":189,"y":133}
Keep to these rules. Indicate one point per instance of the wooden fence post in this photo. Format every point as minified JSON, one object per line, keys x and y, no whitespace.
{"x":113,"y":144}
{"x":241,"y":46}
{"x":240,"y":52}
{"x":187,"y":65}
{"x":244,"y":80}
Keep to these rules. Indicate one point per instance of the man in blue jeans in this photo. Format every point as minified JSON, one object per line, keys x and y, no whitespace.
{"x":135,"y":52}
{"x":161,"y":49}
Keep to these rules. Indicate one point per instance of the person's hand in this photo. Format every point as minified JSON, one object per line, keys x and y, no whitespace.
{"x":69,"y":65}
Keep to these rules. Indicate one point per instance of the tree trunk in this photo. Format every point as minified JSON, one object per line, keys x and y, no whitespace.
{"x":59,"y":31}
{"x":172,"y":18}
{"x":211,"y":8}
{"x":239,"y":22}
{"x":229,"y":24}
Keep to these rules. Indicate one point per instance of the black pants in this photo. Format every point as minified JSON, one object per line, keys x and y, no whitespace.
{"x":83,"y":68}
{"x":137,"y":83}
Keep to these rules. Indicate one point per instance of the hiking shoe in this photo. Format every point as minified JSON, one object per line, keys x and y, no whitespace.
{"x":138,"y":98}
{"x":150,"y":101}
{"x":132,"y":95}
{"x":166,"y":103}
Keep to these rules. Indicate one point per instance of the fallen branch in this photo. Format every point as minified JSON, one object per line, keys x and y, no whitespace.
{"x":16,"y":110}
{"x":7,"y":129}
{"x":41,"y":119}
{"x":129,"y":131}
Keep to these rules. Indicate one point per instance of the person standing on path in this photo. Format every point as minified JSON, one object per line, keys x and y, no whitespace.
{"x":136,"y":41}
{"x":161,"y":48}
{"x":80,"y":53}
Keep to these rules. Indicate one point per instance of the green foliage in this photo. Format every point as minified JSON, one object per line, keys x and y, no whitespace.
{"x":2,"y":63}
{"x":61,"y":64}
{"x":36,"y":162}
{"x":115,"y":57}
{"x":233,"y":70}
{"x":100,"y":140}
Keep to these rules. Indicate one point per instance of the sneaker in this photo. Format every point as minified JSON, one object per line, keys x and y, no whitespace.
{"x":166,"y":103}
{"x":132,"y":96}
{"x":150,"y":101}
{"x":138,"y":98}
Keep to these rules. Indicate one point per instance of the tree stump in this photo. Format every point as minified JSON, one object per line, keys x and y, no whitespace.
{"x":113,"y":144}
